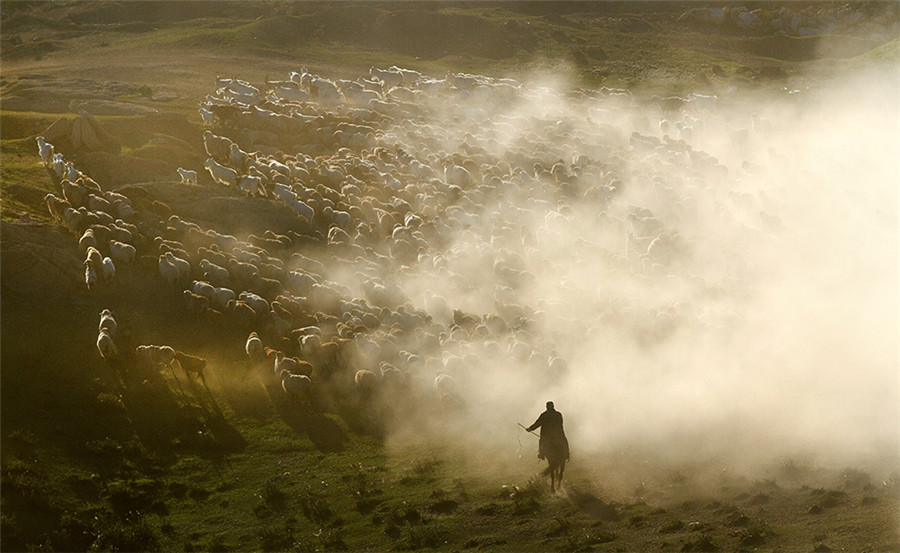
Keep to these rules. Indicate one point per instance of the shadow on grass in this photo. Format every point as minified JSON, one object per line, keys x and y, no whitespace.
{"x":326,"y":434}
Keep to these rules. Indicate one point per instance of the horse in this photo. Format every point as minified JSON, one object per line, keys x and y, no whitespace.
{"x":557,"y":453}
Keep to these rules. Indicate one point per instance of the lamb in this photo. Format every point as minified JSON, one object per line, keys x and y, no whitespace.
{"x":187,"y":176}
{"x":221,"y":174}
{"x":191,"y":365}
{"x":297,"y":386}
{"x":259,"y":304}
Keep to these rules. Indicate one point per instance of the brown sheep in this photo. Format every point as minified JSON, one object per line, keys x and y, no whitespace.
{"x":192,"y":365}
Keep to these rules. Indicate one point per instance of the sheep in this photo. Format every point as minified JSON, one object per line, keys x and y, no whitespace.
{"x":187,"y":176}
{"x":168,"y":270}
{"x":196,"y":303}
{"x":218,"y":276}
{"x":45,"y":149}
{"x":57,"y":207}
{"x":237,"y":158}
{"x":74,"y":193}
{"x":108,"y":269}
{"x":58,"y":164}
{"x":290,"y":364}
{"x":72,"y":173}
{"x":365,"y":381}
{"x":241,"y":313}
{"x":291,"y":94}
{"x":253,"y":346}
{"x":217,"y":147}
{"x":191,"y":365}
{"x":221,"y":174}
{"x":87,"y":240}
{"x":154,"y":355}
{"x":221,"y":296}
{"x":252,"y":186}
{"x":108,"y":323}
{"x":203,"y":288}
{"x":121,"y":253}
{"x":298,"y":387}
{"x":207,"y":116}
{"x":105,"y":344}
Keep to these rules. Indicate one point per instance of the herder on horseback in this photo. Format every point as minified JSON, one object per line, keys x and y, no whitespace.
{"x":552,"y":434}
{"x":554,"y":447}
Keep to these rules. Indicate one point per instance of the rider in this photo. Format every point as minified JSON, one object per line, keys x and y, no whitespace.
{"x":551,"y":424}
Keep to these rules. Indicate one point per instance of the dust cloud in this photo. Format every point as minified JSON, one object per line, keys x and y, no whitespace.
{"x":713,"y":279}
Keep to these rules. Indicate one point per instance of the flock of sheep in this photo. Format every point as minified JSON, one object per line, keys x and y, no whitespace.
{"x":442,"y":227}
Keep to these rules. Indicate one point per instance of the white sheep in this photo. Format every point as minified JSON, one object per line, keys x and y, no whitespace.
{"x":258,"y":303}
{"x":252,"y":186}
{"x":238,"y":158}
{"x":108,"y":270}
{"x":46,"y":150}
{"x":108,"y":322}
{"x":204,"y":289}
{"x":72,"y":173}
{"x":208,"y":117}
{"x":292,"y":94}
{"x":254,"y":346}
{"x":187,"y":176}
{"x":59,"y":165}
{"x":220,"y":173}
{"x":297,"y":386}
{"x":168,"y":270}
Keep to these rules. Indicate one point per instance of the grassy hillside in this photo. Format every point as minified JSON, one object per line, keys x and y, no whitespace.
{"x":119,"y":457}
